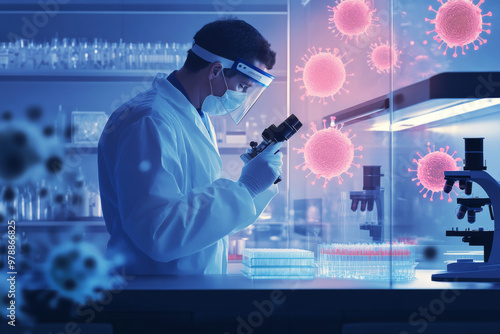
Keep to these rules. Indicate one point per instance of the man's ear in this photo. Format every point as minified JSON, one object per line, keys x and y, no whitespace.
{"x":214,"y":70}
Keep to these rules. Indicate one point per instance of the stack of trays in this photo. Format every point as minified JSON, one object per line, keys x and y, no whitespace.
{"x":275,"y":263}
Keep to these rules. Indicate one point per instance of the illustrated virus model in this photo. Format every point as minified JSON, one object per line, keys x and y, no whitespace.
{"x":430,"y":170}
{"x":383,"y":57}
{"x":458,"y":23}
{"x":77,"y":271}
{"x":323,"y":74}
{"x":328,"y":153}
{"x":27,"y":153}
{"x":351,"y":18}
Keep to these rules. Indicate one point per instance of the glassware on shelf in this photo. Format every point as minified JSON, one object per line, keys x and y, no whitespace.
{"x":54,"y":54}
{"x":4,"y":56}
{"x":73,"y":54}
{"x":84,"y":55}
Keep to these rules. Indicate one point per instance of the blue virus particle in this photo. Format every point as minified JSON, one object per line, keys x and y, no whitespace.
{"x":27,"y":153}
{"x":77,"y":270}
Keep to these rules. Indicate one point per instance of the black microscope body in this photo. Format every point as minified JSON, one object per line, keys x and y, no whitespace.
{"x":372,"y":196}
{"x":474,"y":171}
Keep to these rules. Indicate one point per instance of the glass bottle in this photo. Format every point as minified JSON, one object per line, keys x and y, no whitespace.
{"x":21,"y":205}
{"x":12,"y":50}
{"x":28,"y":204}
{"x":106,"y":56}
{"x":96,"y":56}
{"x":131,"y":57}
{"x":122,"y":56}
{"x":150,"y":56}
{"x":46,"y":61}
{"x":54,"y":54}
{"x":84,"y":55}
{"x":30,"y":55}
{"x":64,"y":55}
{"x":158,"y":57}
{"x":22,"y":53}
{"x":4,"y":56}
{"x":73,"y":53}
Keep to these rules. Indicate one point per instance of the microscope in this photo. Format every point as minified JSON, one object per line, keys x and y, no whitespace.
{"x":372,"y":195}
{"x":467,"y":270}
{"x":273,"y":134}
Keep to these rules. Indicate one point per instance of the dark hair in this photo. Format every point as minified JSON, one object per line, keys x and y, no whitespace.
{"x":231,"y":38}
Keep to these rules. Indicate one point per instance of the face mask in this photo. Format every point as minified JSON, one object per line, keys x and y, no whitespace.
{"x":223,"y":105}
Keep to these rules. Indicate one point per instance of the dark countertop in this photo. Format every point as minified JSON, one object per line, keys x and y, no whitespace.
{"x":234,"y":281}
{"x":235,"y":304}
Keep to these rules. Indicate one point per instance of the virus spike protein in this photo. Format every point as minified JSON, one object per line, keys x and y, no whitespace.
{"x":458,"y":23}
{"x":323,"y":74}
{"x":351,"y":18}
{"x":328,"y":153}
{"x":430,"y":170}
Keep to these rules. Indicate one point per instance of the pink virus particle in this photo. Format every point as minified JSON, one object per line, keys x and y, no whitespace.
{"x":383,"y":57}
{"x":328,"y":153}
{"x":324,"y":74}
{"x":351,"y":18}
{"x":430,"y":170}
{"x":458,"y":23}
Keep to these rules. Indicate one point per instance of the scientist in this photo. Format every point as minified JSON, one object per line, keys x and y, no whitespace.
{"x":166,"y":207}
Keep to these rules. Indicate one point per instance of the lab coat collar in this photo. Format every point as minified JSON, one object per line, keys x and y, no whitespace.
{"x":179,"y":102}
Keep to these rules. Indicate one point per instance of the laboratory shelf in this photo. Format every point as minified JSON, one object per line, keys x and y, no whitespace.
{"x":89,"y":224}
{"x":217,"y":7}
{"x":81,"y":75}
{"x":95,"y":75}
{"x":80,"y":149}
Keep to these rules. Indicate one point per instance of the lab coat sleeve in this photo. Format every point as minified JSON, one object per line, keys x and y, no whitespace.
{"x":165,"y":223}
{"x":261,"y":201}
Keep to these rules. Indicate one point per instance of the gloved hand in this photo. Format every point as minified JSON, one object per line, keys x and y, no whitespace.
{"x":261,"y":172}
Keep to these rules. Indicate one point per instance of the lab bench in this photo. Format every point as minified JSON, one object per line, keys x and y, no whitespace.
{"x":235,"y":304}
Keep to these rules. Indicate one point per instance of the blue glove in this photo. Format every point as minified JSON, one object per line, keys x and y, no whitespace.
{"x":261,"y":172}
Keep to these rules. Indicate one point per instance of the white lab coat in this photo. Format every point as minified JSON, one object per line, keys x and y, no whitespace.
{"x":166,"y":207}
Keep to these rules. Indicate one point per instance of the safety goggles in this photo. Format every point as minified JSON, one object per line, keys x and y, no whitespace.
{"x":259,"y":79}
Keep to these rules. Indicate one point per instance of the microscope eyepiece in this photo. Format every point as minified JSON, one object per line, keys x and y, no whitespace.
{"x":283,"y":131}
{"x":474,"y":159}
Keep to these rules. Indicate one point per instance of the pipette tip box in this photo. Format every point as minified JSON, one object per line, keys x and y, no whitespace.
{"x":274,"y":263}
